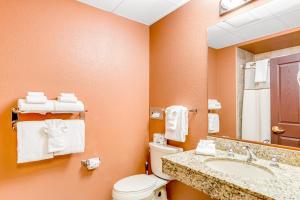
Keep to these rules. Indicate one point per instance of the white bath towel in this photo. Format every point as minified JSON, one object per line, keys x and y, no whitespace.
{"x":35,"y":94}
{"x":35,"y":108}
{"x":213,"y":123}
{"x":68,"y":107}
{"x":214,"y":104}
{"x":32,"y":142}
{"x":55,"y":130}
{"x":261,"y":70}
{"x":206,"y":147}
{"x":36,"y":99}
{"x":74,"y":137}
{"x":67,"y":99}
{"x":65,"y":94}
{"x":176,"y":123}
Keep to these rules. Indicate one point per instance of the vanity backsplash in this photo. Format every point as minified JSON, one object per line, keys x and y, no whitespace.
{"x":286,"y":156}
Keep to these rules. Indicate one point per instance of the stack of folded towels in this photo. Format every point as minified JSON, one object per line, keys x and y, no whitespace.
{"x":68,"y":102}
{"x":35,"y":102}
{"x":206,"y":147}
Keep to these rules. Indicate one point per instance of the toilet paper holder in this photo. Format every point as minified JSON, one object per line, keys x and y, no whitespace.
{"x":91,"y":163}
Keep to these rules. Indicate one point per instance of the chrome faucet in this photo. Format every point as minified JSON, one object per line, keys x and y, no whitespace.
{"x":250,"y":155}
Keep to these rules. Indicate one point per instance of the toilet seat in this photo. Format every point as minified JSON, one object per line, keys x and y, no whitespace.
{"x":139,"y":186}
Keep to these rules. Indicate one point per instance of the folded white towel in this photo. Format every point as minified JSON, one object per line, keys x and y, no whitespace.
{"x":213,"y":123}
{"x":176,"y":125}
{"x":55,"y":129}
{"x":206,"y":147}
{"x":35,"y":108}
{"x":74,"y":137}
{"x":32,"y":142}
{"x":68,"y":107}
{"x":64,"y":94}
{"x":36,"y":99}
{"x":214,"y":104}
{"x":261,"y":70}
{"x":35,"y":94}
{"x":67,"y":99}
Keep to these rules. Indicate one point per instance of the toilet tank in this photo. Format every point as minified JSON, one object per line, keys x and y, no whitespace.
{"x":156,"y":152}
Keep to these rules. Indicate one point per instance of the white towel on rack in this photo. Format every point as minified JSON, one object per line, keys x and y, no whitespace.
{"x":55,"y":129}
{"x":261,"y":70}
{"x":35,"y":94}
{"x":213,"y":123}
{"x":32,"y":142}
{"x":68,"y":107}
{"x":67,"y":99}
{"x":74,"y":137}
{"x":35,"y":108}
{"x":36,"y":99}
{"x":176,"y":124}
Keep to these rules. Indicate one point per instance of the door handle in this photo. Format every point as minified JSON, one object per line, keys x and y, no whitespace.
{"x":277,"y":130}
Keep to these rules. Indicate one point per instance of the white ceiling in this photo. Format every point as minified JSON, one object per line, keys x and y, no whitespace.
{"x":273,"y":17}
{"x":143,"y":11}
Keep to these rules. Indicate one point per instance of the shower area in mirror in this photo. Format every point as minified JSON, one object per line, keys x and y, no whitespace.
{"x":253,"y":89}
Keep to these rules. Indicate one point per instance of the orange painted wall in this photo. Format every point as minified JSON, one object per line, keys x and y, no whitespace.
{"x":64,"y":45}
{"x":179,"y":72}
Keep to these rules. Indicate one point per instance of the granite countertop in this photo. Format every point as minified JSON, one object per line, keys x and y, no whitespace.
{"x":189,"y":168}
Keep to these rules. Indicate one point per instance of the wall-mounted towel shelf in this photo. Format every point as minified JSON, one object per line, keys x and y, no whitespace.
{"x":157,"y":113}
{"x":15,"y":115}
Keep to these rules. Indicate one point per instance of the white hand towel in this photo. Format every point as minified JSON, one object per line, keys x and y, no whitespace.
{"x":32,"y":142}
{"x":67,"y":99}
{"x":36,"y":99}
{"x":74,"y":137}
{"x":35,"y":108}
{"x":55,"y":129}
{"x":213,"y":123}
{"x":261,"y":70}
{"x":35,"y":94}
{"x":64,"y":94}
{"x":206,"y":147}
{"x":68,"y":107}
{"x":176,"y":125}
{"x":214,"y":104}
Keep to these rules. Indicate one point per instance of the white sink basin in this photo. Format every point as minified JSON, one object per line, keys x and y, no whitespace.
{"x":239,"y":168}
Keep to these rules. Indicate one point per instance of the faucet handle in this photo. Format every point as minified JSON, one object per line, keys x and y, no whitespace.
{"x":275,"y":161}
{"x":230,"y":152}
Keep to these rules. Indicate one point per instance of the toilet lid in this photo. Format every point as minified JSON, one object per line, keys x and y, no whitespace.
{"x":135,"y":183}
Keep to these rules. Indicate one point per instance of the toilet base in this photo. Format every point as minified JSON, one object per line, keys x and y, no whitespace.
{"x":160,"y":193}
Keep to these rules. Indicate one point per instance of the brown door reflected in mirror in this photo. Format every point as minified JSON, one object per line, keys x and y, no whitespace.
{"x":285,"y":100}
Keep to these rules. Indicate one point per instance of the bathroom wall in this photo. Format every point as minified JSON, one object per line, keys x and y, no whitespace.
{"x":55,"y":46}
{"x":178,"y":72}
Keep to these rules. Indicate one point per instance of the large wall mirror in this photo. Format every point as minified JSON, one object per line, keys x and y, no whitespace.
{"x":254,"y":72}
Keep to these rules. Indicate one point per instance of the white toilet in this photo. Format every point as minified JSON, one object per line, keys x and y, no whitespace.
{"x":147,"y":187}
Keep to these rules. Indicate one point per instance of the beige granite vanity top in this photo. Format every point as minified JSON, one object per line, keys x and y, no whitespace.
{"x":190,"y":169}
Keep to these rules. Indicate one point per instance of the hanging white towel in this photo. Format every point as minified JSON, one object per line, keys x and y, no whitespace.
{"x":35,"y":108}
{"x":261,"y":70}
{"x":68,"y":107}
{"x":74,"y":137}
{"x":213,"y":123}
{"x":176,"y":124}
{"x":32,"y":142}
{"x":55,"y":129}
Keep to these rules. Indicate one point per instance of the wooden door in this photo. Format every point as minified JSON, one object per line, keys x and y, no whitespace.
{"x":285,"y":100}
